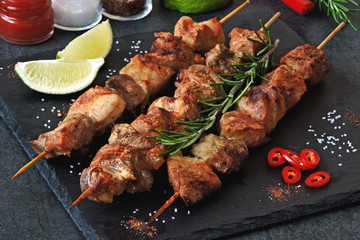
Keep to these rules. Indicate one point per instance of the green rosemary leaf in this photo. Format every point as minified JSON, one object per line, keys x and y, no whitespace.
{"x":338,"y":11}
{"x":170,"y":151}
{"x":242,"y":93}
{"x":206,"y":111}
{"x":210,"y":124}
{"x":191,"y":142}
{"x":227,"y":105}
{"x":256,"y":41}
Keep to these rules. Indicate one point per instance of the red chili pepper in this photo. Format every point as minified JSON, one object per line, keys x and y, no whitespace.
{"x":291,"y":174}
{"x":295,"y":160}
{"x":302,"y":7}
{"x":275,"y":158}
{"x":310,"y":157}
{"x":317,"y":179}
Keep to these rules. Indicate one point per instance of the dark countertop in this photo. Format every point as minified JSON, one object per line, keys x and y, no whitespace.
{"x":30,"y":210}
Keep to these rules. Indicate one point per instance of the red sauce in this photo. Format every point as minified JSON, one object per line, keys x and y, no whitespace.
{"x":26,"y":21}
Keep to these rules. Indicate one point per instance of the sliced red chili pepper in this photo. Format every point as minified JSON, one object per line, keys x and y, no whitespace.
{"x":275,"y":157}
{"x":317,"y":179}
{"x":310,"y":157}
{"x":295,"y":160}
{"x":291,"y":174}
{"x":302,"y":7}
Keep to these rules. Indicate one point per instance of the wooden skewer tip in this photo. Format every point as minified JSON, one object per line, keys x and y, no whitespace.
{"x":82,"y":196}
{"x":272,"y":20}
{"x":236,"y":10}
{"x":163,"y":207}
{"x":331,"y":35}
{"x":32,"y":163}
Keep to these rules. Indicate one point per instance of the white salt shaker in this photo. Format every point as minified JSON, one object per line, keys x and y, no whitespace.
{"x":76,"y":15}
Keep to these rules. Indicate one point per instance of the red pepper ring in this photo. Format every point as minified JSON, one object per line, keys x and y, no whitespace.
{"x":302,"y":7}
{"x":291,"y":174}
{"x":317,"y":179}
{"x":275,"y":157}
{"x":310,"y":157}
{"x":295,"y":160}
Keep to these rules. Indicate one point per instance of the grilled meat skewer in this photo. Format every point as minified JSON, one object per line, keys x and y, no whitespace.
{"x":257,"y":114}
{"x":183,"y":107}
{"x":140,"y":151}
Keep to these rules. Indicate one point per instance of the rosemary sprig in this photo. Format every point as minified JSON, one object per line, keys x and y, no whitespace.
{"x":232,"y":88}
{"x":338,"y":10}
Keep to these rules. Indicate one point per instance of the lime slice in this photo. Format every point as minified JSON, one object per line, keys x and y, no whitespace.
{"x":94,"y":43}
{"x":195,"y":6}
{"x":60,"y":76}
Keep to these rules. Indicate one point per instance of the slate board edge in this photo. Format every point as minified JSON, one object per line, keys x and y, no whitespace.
{"x":292,"y":214}
{"x":47,"y":173}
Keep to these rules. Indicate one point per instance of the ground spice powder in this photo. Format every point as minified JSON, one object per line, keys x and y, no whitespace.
{"x":281,"y":192}
{"x":354,"y":117}
{"x":140,"y":227}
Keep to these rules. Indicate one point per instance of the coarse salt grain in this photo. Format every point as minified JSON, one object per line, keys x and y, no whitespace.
{"x":340,"y":164}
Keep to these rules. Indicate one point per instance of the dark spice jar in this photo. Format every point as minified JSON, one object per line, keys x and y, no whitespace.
{"x":26,"y":22}
{"x":123,"y":7}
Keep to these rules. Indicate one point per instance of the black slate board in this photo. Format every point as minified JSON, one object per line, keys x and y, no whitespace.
{"x":243,"y":202}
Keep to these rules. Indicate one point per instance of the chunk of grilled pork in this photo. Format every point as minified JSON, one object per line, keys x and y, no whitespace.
{"x":132,"y":93}
{"x":201,"y":36}
{"x":222,"y":154}
{"x":151,"y":77}
{"x":241,"y":126}
{"x":219,"y":58}
{"x":101,"y":104}
{"x":74,"y":132}
{"x":309,"y":61}
{"x":240,"y":44}
{"x":264,"y":104}
{"x":116,"y":168}
{"x":169,"y":50}
{"x":290,"y":84}
{"x":192,"y":178}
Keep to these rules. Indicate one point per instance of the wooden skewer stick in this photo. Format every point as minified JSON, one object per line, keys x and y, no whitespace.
{"x":331,"y":35}
{"x":32,"y":162}
{"x":273,"y":19}
{"x":163,"y":207}
{"x":230,"y":15}
{"x":82,"y":196}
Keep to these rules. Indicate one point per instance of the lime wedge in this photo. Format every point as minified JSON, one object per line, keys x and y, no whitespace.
{"x":60,"y":76}
{"x":94,"y":43}
{"x":195,"y":6}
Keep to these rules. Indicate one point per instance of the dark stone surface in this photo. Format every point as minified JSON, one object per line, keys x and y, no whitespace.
{"x":31,"y":210}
